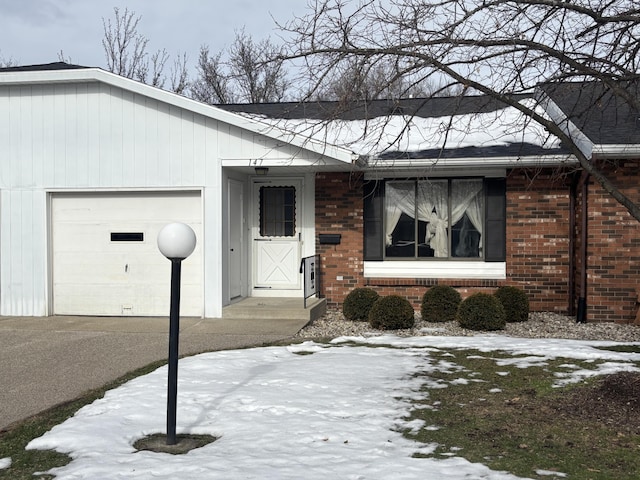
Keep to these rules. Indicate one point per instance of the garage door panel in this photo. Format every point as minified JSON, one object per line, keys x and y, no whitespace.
{"x":94,"y":275}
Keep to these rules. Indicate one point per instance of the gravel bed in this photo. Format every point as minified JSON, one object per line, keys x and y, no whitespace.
{"x":540,"y":325}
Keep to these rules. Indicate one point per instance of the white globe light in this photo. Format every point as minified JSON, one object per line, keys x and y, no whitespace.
{"x":176,"y":241}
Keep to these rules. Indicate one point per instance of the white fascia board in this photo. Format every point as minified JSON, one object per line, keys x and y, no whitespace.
{"x":436,"y":269}
{"x":284,"y":162}
{"x":435,"y":173}
{"x":482,"y":163}
{"x":98,"y":75}
{"x":619,"y":151}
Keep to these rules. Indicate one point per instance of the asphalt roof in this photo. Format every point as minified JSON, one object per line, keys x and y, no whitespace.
{"x":604,"y":117}
{"x":364,"y":110}
{"x":427,"y":108}
{"x":41,"y":67}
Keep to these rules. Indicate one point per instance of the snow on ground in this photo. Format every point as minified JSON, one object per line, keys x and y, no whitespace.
{"x":307,"y":411}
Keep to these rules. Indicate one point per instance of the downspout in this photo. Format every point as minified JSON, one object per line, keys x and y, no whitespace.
{"x":573,"y":192}
{"x":581,"y":316}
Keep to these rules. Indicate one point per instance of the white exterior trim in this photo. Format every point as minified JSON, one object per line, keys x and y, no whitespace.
{"x":616,"y":151}
{"x":558,"y":117}
{"x":467,"y":270}
{"x":444,"y":173}
{"x":471,"y":163}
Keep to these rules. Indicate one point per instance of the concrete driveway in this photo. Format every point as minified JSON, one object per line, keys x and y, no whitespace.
{"x":45,"y":361}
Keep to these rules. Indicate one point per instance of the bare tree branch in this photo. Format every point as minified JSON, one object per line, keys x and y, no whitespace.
{"x":500,"y":48}
{"x":7,"y":62}
{"x":249,"y":72}
{"x":126,"y":53}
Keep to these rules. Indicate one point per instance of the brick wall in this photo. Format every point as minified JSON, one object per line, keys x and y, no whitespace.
{"x":538,"y":238}
{"x":613,"y":248}
{"x":339,"y":209}
{"x":537,"y":245}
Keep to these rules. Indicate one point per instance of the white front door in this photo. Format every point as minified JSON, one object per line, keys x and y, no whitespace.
{"x":276,"y":236}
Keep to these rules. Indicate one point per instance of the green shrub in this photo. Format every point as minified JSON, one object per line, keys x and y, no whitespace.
{"x":358,"y":303}
{"x":481,"y":311}
{"x":515,"y":303}
{"x":391,"y":313}
{"x":440,"y":304}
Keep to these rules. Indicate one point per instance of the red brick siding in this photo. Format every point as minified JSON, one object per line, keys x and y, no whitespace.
{"x":339,"y":209}
{"x":538,"y":239}
{"x":613,"y":248}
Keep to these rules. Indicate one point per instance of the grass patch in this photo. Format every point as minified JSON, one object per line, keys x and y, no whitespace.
{"x":513,"y":419}
{"x":622,"y":348}
{"x":13,"y":441}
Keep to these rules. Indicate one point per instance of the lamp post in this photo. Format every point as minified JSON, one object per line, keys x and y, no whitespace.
{"x":176,"y":241}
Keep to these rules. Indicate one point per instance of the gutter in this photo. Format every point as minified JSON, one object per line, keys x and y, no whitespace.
{"x":376,"y":163}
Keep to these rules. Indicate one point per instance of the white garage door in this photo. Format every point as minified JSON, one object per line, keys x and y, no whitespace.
{"x":105,"y":255}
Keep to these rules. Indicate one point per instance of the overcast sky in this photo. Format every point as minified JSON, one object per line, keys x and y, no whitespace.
{"x":35,"y":31}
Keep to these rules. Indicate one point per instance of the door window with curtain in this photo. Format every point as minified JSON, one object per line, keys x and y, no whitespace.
{"x":439,"y":218}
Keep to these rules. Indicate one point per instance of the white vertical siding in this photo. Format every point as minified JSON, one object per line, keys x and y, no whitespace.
{"x":23,"y":250}
{"x":86,"y":136}
{"x":212,"y":227}
{"x":94,"y":135}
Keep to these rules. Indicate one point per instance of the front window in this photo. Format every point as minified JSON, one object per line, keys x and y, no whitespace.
{"x":439,"y":218}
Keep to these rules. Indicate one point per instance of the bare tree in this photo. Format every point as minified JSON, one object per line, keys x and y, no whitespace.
{"x":495,"y":47}
{"x":212,"y":84}
{"x":248,"y":72}
{"x":125,"y":50}
{"x":179,"y":74}
{"x":124,"y":47}
{"x":6,"y":62}
{"x":357,"y":80}
{"x":257,"y":70}
{"x":63,"y":58}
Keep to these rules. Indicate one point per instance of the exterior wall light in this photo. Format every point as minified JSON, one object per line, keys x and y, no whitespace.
{"x":261,"y":170}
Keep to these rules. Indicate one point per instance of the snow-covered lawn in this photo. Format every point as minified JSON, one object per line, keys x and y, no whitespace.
{"x":308,"y":411}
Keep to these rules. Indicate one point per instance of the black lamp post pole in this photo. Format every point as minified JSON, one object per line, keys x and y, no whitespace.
{"x":174,"y":332}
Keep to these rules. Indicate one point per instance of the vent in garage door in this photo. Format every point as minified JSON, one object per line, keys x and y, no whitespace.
{"x":127,"y":237}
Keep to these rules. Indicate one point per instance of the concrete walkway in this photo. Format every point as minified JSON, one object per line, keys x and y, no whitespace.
{"x":45,"y":361}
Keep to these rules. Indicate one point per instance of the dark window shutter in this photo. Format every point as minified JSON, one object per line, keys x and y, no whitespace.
{"x":495,"y":243}
{"x":373,"y":213}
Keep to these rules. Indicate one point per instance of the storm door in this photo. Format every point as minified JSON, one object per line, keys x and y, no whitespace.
{"x":276,"y":235}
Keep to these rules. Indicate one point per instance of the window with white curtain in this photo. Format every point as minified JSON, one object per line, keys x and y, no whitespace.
{"x":439,"y":218}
